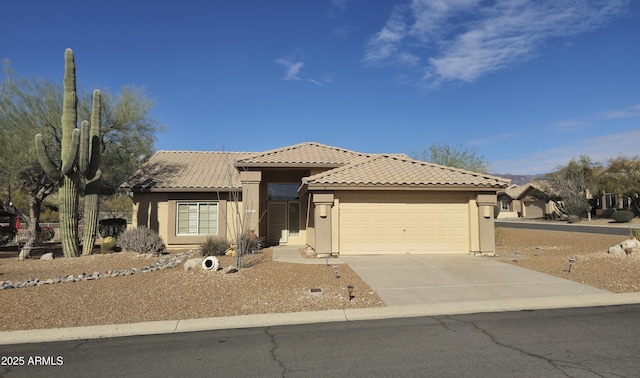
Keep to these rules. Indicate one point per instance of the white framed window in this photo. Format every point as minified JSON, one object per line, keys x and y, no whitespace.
{"x":197,"y":218}
{"x":504,"y":204}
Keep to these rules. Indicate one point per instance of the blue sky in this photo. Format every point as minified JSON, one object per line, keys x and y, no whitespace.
{"x":529,"y":83}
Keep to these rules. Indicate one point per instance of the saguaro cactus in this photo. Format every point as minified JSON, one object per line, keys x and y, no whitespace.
{"x":89,"y":165}
{"x":67,"y":175}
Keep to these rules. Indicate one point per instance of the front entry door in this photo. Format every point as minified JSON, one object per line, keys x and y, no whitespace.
{"x":277,"y":232}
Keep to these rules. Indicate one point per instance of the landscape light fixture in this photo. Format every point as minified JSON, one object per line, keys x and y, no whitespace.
{"x":517,"y":253}
{"x":571,"y":261}
{"x":335,"y":269}
{"x":350,"y":290}
{"x":537,"y":250}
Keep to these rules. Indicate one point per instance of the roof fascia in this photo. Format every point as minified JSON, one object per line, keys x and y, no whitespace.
{"x":314,"y":187}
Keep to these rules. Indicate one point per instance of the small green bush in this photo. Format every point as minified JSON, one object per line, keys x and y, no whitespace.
{"x":112,"y":227}
{"x":623,"y":216}
{"x":214,"y":246}
{"x":141,"y":240}
{"x":608,"y":213}
{"x":574,"y":219}
{"x":7,"y":234}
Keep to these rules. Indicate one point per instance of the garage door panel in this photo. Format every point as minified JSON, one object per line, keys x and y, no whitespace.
{"x":406,"y":226}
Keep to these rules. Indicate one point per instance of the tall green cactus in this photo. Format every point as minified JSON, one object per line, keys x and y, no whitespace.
{"x":67,"y":175}
{"x":89,"y":165}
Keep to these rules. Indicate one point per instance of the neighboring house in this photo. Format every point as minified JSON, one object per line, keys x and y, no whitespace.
{"x":607,"y":202}
{"x":333,"y":200}
{"x":524,"y":201}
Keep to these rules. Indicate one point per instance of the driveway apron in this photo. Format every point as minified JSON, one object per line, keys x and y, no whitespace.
{"x":425,"y":279}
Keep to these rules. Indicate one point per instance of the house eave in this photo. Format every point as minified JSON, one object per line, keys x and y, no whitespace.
{"x":413,"y":187}
{"x":179,"y":189}
{"x":286,"y":165}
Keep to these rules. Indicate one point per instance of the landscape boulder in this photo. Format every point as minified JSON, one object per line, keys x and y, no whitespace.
{"x":630,"y":246}
{"x":193,"y":263}
{"x":616,"y":249}
{"x":47,"y":257}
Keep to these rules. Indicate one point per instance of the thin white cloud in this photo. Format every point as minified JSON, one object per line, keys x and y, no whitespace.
{"x":582,"y":124}
{"x":600,"y":149}
{"x":291,"y":68}
{"x":628,"y":112}
{"x":462,"y":40}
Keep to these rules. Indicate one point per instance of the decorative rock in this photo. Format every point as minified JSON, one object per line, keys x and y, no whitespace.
{"x":193,"y":263}
{"x":47,"y":257}
{"x":630,"y":246}
{"x":616,"y":249}
{"x":630,"y":243}
{"x":231,"y":269}
{"x":166,"y":263}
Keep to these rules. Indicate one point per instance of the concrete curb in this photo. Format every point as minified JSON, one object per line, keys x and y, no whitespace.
{"x":269,"y":320}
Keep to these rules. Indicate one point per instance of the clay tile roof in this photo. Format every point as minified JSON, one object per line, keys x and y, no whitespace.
{"x":303,"y":154}
{"x":187,"y":171}
{"x":517,"y":191}
{"x":399,"y":170}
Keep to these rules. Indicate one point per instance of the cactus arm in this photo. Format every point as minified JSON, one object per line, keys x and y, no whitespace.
{"x":69,"y":158}
{"x":83,"y":157}
{"x":44,"y":160}
{"x":89,"y":163}
{"x":96,"y":123}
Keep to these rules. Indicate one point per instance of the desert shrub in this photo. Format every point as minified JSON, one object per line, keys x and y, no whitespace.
{"x":46,"y":234}
{"x":141,"y":240}
{"x":214,"y":246}
{"x":7,"y":234}
{"x":112,"y":227}
{"x":574,"y":219}
{"x":623,"y":216}
{"x":608,"y":213}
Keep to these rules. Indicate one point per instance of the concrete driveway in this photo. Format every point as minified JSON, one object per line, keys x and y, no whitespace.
{"x":428,"y":279}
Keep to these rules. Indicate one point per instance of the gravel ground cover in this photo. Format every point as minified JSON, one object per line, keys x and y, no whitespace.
{"x":265,"y":287}
{"x":593,"y":265}
{"x":172,"y":294}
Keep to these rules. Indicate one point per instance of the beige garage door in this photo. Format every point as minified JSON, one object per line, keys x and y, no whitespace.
{"x":403,"y":226}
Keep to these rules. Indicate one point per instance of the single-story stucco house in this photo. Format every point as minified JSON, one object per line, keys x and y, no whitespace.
{"x":524,"y":201}
{"x":334,"y":200}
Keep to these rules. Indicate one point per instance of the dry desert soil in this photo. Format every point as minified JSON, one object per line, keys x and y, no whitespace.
{"x":266,"y":286}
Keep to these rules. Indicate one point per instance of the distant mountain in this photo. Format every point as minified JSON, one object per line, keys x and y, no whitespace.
{"x":520,"y":179}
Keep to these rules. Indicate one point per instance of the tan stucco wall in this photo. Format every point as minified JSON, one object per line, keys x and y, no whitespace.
{"x":158,"y":212}
{"x":323,"y":215}
{"x":486,"y":224}
{"x":145,"y":210}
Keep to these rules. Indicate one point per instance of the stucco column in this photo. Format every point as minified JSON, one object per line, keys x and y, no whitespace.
{"x":486,"y":225}
{"x":322,"y":203}
{"x":251,"y":199}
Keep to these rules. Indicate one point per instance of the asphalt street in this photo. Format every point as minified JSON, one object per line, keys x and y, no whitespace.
{"x":576,"y":342}
{"x":605,"y":230}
